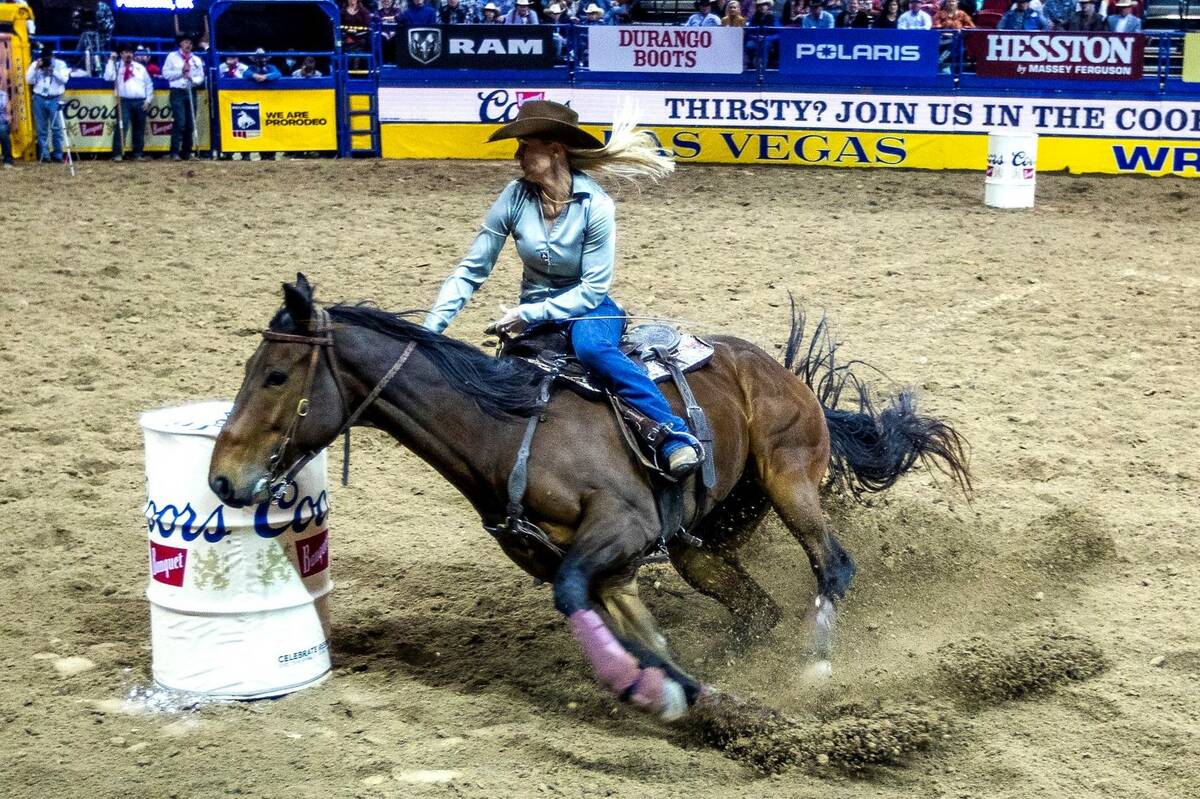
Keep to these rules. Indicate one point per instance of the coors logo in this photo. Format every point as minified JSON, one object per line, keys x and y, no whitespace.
{"x":1082,"y":56}
{"x":313,"y":554}
{"x":167,"y":564}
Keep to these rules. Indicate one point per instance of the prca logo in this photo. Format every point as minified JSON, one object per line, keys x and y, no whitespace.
{"x":247,"y":120}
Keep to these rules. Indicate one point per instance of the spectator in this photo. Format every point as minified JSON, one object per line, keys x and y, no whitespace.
{"x":1058,"y":12}
{"x":418,"y":15}
{"x":308,"y":69}
{"x":355,"y":26}
{"x":703,"y":18}
{"x":1022,"y":18}
{"x":619,"y":13}
{"x":135,"y":90}
{"x":914,"y":19}
{"x":889,"y":15}
{"x":142,"y":56}
{"x":733,"y":15}
{"x":950,"y":16}
{"x":817,"y":17}
{"x":389,"y":20}
{"x":261,"y":70}
{"x":522,"y":13}
{"x":491,"y":15}
{"x":794,"y":12}
{"x":1087,"y":18}
{"x":593,"y":15}
{"x":837,"y":8}
{"x":5,"y":140}
{"x":47,"y":78}
{"x":1125,"y":21}
{"x":232,"y":68}
{"x":764,"y":15}
{"x":455,"y":13}
{"x":856,"y":15}
{"x":184,"y":72}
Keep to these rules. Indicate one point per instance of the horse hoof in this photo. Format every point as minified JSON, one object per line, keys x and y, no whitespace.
{"x":674,"y":702}
{"x":818,"y":670}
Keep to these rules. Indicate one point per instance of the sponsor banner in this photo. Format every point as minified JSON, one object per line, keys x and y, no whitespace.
{"x":1113,"y":118}
{"x":91,"y":115}
{"x":661,"y":48}
{"x":1058,"y":56}
{"x":844,"y":51}
{"x":477,"y":47}
{"x":805,"y":147}
{"x":278,"y":120}
{"x":1191,"y":58}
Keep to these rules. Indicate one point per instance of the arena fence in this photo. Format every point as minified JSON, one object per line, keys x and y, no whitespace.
{"x":1101,"y":102}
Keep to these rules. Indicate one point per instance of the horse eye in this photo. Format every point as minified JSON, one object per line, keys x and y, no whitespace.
{"x":275,"y":378}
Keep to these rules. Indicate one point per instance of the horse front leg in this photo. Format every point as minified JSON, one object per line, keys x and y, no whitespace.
{"x":630,"y":672}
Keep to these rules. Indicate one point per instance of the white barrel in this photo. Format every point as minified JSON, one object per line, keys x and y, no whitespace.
{"x":238,"y":596}
{"x":1011,"y":169}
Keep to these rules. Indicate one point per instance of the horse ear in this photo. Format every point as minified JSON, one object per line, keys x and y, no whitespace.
{"x":298,"y":300}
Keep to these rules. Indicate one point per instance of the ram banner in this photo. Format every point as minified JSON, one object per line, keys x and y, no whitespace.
{"x":91,"y":114}
{"x":477,"y":47}
{"x":663,"y":48}
{"x":1159,"y":137}
{"x":277,"y":120}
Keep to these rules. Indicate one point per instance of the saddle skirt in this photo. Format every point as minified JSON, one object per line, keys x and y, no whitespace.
{"x":550,"y":351}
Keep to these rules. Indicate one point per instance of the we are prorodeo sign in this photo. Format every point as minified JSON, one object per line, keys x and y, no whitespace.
{"x":655,"y":48}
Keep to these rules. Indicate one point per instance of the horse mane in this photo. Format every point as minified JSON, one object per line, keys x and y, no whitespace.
{"x":499,"y":386}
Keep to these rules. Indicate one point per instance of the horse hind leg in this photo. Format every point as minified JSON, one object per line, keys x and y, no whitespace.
{"x":715,"y":569}
{"x":795,"y":495}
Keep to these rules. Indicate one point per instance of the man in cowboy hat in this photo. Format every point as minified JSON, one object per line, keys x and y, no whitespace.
{"x":184,"y":73}
{"x":491,"y":15}
{"x":703,"y":18}
{"x":563,"y":224}
{"x":1023,"y":18}
{"x":135,"y":93}
{"x":1087,"y":18}
{"x":522,"y":14}
{"x":1125,"y":21}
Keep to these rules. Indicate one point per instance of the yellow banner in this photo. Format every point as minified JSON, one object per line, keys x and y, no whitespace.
{"x":278,"y":120}
{"x":91,"y":114}
{"x":1191,"y":58}
{"x":829,"y":148}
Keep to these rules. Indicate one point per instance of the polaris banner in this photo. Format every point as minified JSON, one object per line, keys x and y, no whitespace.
{"x":1064,"y":56}
{"x":476,"y":47}
{"x":660,"y":48}
{"x":858,"y":52}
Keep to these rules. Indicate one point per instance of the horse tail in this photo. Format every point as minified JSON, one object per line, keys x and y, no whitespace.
{"x":870,"y":446}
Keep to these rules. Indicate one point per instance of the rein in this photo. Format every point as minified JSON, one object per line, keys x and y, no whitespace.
{"x":321,"y":342}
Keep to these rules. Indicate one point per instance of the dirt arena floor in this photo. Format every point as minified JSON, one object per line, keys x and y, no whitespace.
{"x":1039,"y":641}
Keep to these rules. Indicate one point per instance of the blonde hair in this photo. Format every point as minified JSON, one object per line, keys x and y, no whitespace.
{"x":631,"y":154}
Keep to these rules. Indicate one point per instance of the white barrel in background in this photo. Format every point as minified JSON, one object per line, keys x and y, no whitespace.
{"x":238,"y":596}
{"x":1011,"y":169}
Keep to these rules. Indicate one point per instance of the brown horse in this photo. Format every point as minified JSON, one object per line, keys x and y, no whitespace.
{"x":320,"y":370}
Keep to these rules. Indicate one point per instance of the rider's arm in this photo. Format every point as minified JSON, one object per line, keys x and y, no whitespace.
{"x":478,"y":264}
{"x":599,"y":250}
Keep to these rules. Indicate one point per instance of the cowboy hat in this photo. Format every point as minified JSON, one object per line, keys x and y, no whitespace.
{"x":765,"y":3}
{"x":492,"y":7}
{"x":1125,"y":3}
{"x":543,"y":119}
{"x":554,"y":8}
{"x":593,"y":9}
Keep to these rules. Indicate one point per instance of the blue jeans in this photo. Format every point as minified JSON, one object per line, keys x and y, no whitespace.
{"x":595,"y":343}
{"x":133,"y":123}
{"x":45,"y":118}
{"x":183,"y":123}
{"x":5,"y":143}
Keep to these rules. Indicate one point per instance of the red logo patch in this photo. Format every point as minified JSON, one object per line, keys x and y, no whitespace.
{"x":525,"y":97}
{"x":1029,"y":174}
{"x":167,"y":564}
{"x":91,"y":128}
{"x":312,"y":554}
{"x":161,"y":128}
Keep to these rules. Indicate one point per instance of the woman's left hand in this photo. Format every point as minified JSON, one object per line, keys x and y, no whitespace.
{"x":509,"y":324}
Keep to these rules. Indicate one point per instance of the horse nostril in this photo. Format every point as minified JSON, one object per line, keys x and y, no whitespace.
{"x":222,"y":487}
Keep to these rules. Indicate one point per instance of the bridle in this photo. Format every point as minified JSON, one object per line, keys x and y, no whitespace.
{"x":321,"y":341}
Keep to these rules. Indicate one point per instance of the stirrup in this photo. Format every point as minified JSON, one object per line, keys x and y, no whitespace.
{"x":686,"y":457}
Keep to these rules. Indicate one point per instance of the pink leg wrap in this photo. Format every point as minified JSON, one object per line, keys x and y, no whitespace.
{"x":615,"y":668}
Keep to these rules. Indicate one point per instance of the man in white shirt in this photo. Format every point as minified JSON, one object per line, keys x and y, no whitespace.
{"x":47,"y":78}
{"x":184,"y":73}
{"x":703,"y":18}
{"x":914,"y":19}
{"x":1125,"y":21}
{"x":135,"y":91}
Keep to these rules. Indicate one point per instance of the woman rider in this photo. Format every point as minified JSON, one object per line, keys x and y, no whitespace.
{"x":564,"y":229}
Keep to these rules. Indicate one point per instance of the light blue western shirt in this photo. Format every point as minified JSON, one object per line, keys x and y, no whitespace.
{"x":568,"y":269}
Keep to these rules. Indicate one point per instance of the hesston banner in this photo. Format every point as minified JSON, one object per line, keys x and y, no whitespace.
{"x":477,"y":47}
{"x":652,"y":48}
{"x":1069,"y":56}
